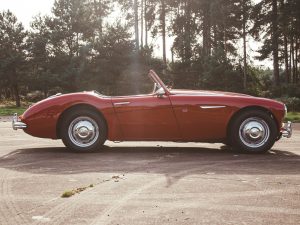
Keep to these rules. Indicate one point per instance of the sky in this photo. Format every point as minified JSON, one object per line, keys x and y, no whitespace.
{"x":25,"y":10}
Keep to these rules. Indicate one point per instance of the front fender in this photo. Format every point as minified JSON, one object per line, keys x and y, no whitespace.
{"x":42,"y":117}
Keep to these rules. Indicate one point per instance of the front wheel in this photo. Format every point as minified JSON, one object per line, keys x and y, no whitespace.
{"x":253,"y":132}
{"x":83,"y":130}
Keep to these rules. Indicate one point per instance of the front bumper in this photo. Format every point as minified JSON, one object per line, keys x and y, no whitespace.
{"x":287,"y":130}
{"x":16,"y":124}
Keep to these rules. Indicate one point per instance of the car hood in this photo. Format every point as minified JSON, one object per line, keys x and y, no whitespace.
{"x":206,"y":93}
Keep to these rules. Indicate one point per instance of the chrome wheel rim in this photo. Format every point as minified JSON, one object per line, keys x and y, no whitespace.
{"x":83,"y":132}
{"x":254,"y":132}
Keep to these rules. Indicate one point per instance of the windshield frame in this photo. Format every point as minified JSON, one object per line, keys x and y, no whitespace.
{"x":156,"y":79}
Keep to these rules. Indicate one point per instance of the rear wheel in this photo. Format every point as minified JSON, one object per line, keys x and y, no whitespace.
{"x":253,"y":132}
{"x":83,"y":130}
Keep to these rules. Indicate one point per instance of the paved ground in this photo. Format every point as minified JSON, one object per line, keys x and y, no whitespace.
{"x":146,"y":183}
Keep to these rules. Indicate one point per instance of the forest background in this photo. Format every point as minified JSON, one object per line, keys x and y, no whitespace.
{"x":77,"y":47}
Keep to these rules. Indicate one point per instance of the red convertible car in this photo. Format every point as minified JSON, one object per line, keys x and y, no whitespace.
{"x":84,"y":121}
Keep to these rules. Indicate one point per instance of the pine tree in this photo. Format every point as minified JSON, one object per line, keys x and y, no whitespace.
{"x":265,"y":17}
{"x":12,"y":52}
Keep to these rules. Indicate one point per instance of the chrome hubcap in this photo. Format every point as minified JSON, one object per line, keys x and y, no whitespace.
{"x":83,"y":131}
{"x":254,"y":132}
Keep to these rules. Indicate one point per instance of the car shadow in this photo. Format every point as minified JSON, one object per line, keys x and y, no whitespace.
{"x":173,"y":162}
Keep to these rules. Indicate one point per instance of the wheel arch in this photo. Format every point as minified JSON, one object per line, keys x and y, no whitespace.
{"x":248,"y":108}
{"x":74,"y":107}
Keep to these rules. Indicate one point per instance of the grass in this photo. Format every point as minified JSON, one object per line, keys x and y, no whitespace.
{"x":293,"y":117}
{"x":68,"y":194}
{"x":10,"y":110}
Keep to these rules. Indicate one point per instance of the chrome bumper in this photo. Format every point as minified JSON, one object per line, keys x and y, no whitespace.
{"x":16,"y":124}
{"x":287,"y":130}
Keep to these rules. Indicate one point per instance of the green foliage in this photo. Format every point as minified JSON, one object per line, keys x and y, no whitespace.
{"x":10,"y":110}
{"x":68,"y":194}
{"x":114,"y":48}
{"x":293,"y":117}
{"x":220,"y":75}
{"x":12,"y":53}
{"x":288,"y":90}
{"x":73,"y":49}
{"x":293,"y":104}
{"x":279,"y":20}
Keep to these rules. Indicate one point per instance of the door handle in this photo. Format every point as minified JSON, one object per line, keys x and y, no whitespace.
{"x":121,"y":103}
{"x":212,"y":106}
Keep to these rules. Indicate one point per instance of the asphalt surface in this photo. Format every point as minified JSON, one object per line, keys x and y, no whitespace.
{"x":146,"y":183}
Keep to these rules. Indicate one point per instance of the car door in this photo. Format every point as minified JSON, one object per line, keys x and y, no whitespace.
{"x":146,"y":117}
{"x":201,"y":118}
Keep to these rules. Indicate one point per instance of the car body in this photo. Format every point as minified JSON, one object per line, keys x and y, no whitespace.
{"x":164,"y":115}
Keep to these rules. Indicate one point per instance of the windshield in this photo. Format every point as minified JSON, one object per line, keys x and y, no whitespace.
{"x":156,"y":79}
{"x":132,"y":84}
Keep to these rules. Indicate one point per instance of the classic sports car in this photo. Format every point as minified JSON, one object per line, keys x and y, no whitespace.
{"x":84,"y":121}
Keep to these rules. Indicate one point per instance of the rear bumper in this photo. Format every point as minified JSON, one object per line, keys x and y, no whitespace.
{"x":287,"y":130}
{"x":16,"y":124}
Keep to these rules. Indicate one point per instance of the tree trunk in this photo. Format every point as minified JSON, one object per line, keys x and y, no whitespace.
{"x":100,"y":18}
{"x":245,"y":45}
{"x":290,"y":58}
{"x":296,"y":61}
{"x":285,"y":40}
{"x":142,"y":23}
{"x":275,"y":42}
{"x":224,"y":30}
{"x":45,"y":92}
{"x":294,"y":57}
{"x":98,"y":8}
{"x":17,"y":95}
{"x":206,"y":28}
{"x":172,"y":53}
{"x":215,"y":38}
{"x":188,"y":47}
{"x":163,"y":25}
{"x":146,"y":23}
{"x":7,"y":93}
{"x":77,"y":44}
{"x":136,"y":24}
{"x":286,"y":61}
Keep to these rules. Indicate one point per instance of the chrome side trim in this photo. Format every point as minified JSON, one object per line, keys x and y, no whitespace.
{"x":121,"y":103}
{"x":212,"y":106}
{"x":287,"y":130}
{"x":16,"y":124}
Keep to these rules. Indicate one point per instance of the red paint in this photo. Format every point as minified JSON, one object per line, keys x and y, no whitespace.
{"x":146,"y":118}
{"x":177,"y":116}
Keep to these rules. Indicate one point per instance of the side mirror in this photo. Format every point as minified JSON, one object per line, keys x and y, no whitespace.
{"x":160,"y":92}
